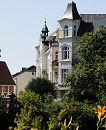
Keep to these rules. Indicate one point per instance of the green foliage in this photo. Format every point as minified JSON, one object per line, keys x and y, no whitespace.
{"x":41,"y":86}
{"x":27,"y":119}
{"x":4,"y":119}
{"x":88,"y":76}
{"x":32,"y":98}
{"x":36,"y":112}
{"x":51,"y":106}
{"x":81,"y":114}
{"x":88,"y":89}
{"x":51,"y":114}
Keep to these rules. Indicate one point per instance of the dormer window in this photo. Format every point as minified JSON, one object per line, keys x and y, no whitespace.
{"x":65,"y":53}
{"x":65,"y":31}
{"x":74,"y":31}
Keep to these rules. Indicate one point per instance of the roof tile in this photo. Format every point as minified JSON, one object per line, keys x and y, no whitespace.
{"x":5,"y":75}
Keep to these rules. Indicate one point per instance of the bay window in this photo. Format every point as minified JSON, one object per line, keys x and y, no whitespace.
{"x":65,"y":53}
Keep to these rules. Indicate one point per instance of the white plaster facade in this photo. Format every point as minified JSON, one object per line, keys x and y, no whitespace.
{"x":65,"y":63}
{"x":56,"y":53}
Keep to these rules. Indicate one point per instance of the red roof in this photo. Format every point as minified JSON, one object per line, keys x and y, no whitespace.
{"x":5,"y":75}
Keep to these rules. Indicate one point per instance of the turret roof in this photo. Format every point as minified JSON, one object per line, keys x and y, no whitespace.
{"x":45,"y":28}
{"x":71,"y":12}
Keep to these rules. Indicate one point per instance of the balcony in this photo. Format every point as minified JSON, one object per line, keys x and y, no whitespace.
{"x":65,"y":34}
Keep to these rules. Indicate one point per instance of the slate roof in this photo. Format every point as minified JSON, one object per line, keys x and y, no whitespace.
{"x":84,"y":27}
{"x":29,"y":69}
{"x":71,"y":12}
{"x":92,"y":17}
{"x":5,"y":75}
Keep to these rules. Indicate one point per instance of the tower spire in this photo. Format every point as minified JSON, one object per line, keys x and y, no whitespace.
{"x":45,"y":20}
{"x":44,"y":31}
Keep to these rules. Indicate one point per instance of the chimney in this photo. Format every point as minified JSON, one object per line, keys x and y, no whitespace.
{"x":24,"y":68}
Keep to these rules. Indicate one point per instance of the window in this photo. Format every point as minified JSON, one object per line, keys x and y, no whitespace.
{"x":56,"y":55}
{"x":64,"y":73}
{"x":56,"y":75}
{"x":32,"y":73}
{"x":65,"y":53}
{"x":74,"y":32}
{"x":11,"y":89}
{"x":0,"y":90}
{"x":65,"y":31}
{"x":5,"y":90}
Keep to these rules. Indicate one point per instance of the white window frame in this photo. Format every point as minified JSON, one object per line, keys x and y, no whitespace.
{"x":65,"y":53}
{"x":66,"y":33}
{"x":64,"y":73}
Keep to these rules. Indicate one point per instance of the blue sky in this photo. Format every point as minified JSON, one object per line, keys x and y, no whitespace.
{"x":21,"y":22}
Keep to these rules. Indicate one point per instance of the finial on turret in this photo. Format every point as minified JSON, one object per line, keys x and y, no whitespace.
{"x":45,"y":20}
{"x":45,"y":28}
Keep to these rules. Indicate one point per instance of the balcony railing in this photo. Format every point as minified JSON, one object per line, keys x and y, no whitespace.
{"x":64,"y":34}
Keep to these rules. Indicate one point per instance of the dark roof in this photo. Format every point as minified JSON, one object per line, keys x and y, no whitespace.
{"x":92,"y":17}
{"x":71,"y":12}
{"x":75,"y":12}
{"x":84,"y":27}
{"x":5,"y":75}
{"x":45,"y":28}
{"x":29,"y":69}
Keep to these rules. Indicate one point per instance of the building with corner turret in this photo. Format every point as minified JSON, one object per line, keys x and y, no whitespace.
{"x":56,"y":53}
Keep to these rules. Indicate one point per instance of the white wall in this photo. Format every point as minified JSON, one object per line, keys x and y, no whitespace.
{"x":67,"y":41}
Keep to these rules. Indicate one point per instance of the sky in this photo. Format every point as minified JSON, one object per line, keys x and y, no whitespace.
{"x":21,"y":22}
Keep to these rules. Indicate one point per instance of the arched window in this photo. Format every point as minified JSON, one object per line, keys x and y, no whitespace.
{"x":74,"y":31}
{"x":65,"y":31}
{"x":65,"y":53}
{"x":56,"y":55}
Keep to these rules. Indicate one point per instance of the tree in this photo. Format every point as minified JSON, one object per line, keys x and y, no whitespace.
{"x":32,"y":98}
{"x":88,"y":75}
{"x":87,"y":90}
{"x":27,"y":119}
{"x":35,"y":113}
{"x":41,"y":86}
